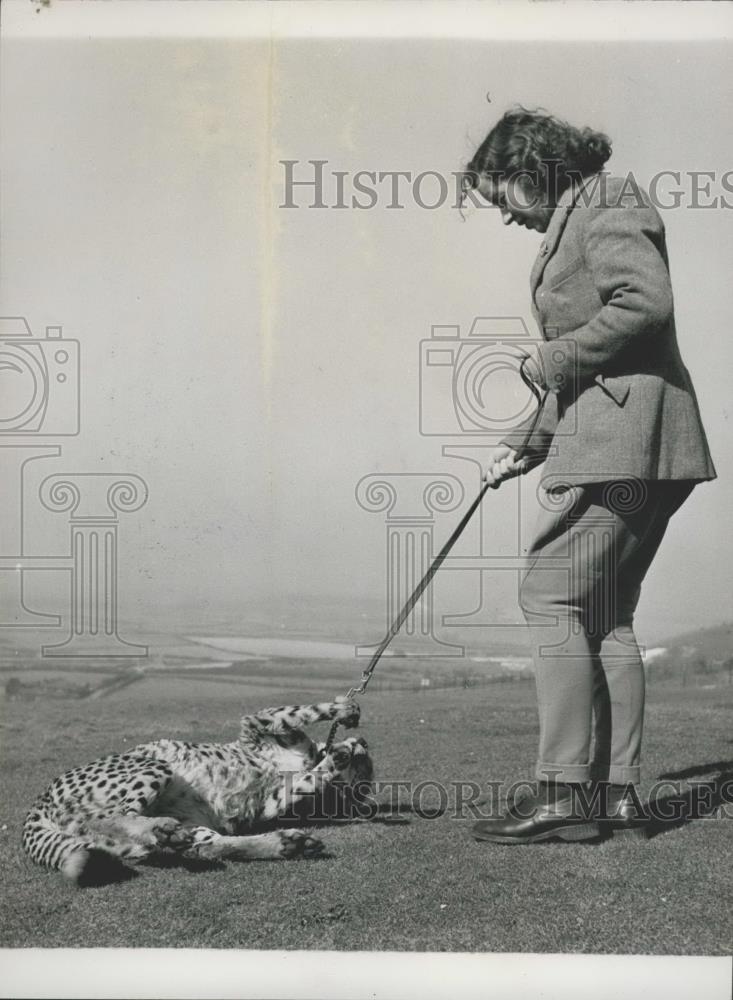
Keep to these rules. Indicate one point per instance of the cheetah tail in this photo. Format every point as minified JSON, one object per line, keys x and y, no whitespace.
{"x":78,"y":860}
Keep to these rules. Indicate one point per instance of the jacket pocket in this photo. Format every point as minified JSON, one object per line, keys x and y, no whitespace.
{"x":615,"y":386}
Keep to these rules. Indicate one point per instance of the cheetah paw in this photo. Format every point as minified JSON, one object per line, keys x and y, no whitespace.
{"x":180,"y":838}
{"x":297,"y":844}
{"x":168,"y":832}
{"x":347,"y":713}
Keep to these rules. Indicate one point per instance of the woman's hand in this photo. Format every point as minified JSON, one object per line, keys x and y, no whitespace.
{"x":503,"y":465}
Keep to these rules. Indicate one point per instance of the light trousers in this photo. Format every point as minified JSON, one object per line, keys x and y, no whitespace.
{"x":592,"y":548}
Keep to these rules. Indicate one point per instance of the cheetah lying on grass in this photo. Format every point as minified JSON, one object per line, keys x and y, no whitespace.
{"x":199,"y":800}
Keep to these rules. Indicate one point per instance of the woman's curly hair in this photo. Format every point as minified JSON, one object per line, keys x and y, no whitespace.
{"x":550,"y":152}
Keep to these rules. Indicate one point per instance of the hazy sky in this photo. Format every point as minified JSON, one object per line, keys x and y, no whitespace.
{"x":252,"y":362}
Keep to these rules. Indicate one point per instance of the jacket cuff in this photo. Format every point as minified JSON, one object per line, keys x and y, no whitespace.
{"x":557,"y":360}
{"x":532,"y":368}
{"x":535,"y":452}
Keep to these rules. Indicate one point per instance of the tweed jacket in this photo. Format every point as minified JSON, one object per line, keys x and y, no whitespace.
{"x":621,"y":402}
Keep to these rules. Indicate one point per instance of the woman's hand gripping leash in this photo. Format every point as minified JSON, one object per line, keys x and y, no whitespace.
{"x":503,"y":464}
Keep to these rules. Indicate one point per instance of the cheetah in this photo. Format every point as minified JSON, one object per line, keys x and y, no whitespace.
{"x":201,"y":801}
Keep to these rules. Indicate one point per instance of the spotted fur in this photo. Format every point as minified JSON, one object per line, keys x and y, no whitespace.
{"x":201,"y":800}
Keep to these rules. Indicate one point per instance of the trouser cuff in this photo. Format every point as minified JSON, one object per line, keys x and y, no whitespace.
{"x":565,"y":773}
{"x":617,"y":774}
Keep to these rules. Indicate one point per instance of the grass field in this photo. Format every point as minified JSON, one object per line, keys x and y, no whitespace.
{"x":421,"y":884}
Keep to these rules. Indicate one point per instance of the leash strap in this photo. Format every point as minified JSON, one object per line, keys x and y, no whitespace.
{"x":437,"y":562}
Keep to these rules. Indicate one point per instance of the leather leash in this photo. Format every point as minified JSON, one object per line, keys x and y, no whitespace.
{"x":436,"y":564}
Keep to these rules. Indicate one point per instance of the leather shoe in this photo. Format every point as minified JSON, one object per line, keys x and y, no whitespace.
{"x":552,"y":813}
{"x":619,"y":809}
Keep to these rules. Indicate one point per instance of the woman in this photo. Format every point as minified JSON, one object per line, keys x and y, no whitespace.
{"x":623,"y":446}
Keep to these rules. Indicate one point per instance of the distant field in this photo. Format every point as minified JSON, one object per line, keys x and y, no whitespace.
{"x":418,"y":885}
